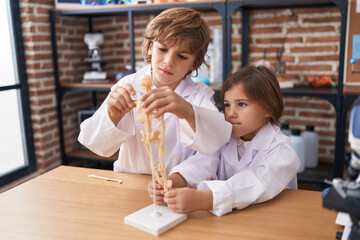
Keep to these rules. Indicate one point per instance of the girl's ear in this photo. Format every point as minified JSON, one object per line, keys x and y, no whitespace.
{"x":268,"y":115}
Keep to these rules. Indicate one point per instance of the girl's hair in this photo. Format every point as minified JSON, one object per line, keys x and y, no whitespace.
{"x":260,"y":85}
{"x":178,"y":24}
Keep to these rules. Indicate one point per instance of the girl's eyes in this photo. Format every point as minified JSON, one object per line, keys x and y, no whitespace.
{"x":240,"y":104}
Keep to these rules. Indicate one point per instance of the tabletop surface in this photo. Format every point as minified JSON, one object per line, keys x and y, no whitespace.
{"x":66,"y":204}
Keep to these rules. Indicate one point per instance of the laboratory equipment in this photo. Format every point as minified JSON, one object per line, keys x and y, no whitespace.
{"x":93,"y":60}
{"x":344,"y":195}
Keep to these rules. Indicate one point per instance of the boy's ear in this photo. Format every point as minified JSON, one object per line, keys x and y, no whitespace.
{"x":195,"y":66}
{"x":150,"y":48}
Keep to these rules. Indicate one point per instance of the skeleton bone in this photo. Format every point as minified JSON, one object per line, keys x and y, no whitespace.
{"x":152,"y":137}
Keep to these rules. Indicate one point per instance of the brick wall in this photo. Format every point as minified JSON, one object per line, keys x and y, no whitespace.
{"x":38,"y":54}
{"x":311,"y":47}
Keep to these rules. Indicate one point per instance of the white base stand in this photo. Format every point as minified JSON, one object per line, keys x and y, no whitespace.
{"x":145,"y":220}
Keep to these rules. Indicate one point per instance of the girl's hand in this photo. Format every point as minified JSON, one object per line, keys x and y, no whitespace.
{"x":186,"y":200}
{"x":120,"y":102}
{"x":159,"y":193}
{"x":164,"y":99}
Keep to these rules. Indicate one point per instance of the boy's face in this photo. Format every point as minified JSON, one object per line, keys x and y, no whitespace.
{"x":246,"y":116}
{"x":170,"y":63}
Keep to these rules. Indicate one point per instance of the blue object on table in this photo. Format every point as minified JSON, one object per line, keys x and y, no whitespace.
{"x":324,"y":192}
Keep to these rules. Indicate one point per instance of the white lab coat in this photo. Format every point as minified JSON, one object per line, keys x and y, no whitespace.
{"x":101,"y":136}
{"x":268,"y":165}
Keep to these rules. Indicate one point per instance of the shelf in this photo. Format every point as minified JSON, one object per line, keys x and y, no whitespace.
{"x":86,"y":154}
{"x":351,"y":89}
{"x":87,"y":86}
{"x":317,"y":175}
{"x":258,"y":4}
{"x":327,"y":93}
{"x":113,"y":10}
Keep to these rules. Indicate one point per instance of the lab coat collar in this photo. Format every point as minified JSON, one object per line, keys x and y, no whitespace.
{"x":231,"y":153}
{"x":260,"y":142}
{"x":186,"y":87}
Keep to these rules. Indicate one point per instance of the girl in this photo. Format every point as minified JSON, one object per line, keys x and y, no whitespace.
{"x":175,"y":44}
{"x":254,"y":166}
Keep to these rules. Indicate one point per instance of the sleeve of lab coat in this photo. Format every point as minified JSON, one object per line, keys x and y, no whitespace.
{"x":212,"y":131}
{"x":99,"y":134}
{"x":255,"y":184}
{"x":198,"y":168}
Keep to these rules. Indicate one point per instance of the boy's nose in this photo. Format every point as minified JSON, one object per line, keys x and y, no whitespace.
{"x":169,"y":60}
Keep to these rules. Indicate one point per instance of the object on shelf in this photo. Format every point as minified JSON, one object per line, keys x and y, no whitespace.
{"x":298,"y":144}
{"x":311,"y":139}
{"x":202,"y":74}
{"x":120,"y":75}
{"x":279,"y":65}
{"x":278,"y":68}
{"x":95,"y":81}
{"x":82,"y":3}
{"x":93,"y":40}
{"x":285,"y":129}
{"x":216,"y":58}
{"x":82,"y":116}
{"x":320,"y":81}
{"x":353,"y":62}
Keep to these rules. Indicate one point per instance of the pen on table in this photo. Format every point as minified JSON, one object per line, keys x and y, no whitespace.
{"x":105,"y":178}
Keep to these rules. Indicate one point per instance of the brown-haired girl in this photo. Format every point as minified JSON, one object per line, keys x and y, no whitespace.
{"x":174,"y":45}
{"x":254,"y":166}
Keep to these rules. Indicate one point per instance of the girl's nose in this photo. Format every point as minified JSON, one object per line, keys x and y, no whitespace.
{"x":232,"y":112}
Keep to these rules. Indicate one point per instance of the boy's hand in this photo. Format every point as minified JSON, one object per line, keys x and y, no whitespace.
{"x":164,"y":99}
{"x":186,"y":200}
{"x":120,"y":102}
{"x":159,"y":193}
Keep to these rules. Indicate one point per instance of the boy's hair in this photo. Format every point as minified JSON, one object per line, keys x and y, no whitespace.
{"x":260,"y":85}
{"x":178,"y":24}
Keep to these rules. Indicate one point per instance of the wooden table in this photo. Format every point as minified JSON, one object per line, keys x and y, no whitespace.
{"x":66,"y":204}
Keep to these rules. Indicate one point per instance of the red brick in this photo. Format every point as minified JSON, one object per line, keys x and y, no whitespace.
{"x":322,"y":19}
{"x":320,"y":58}
{"x":281,"y":19}
{"x":309,"y":68}
{"x":264,"y":30}
{"x":280,"y":40}
{"x":314,"y":30}
{"x":331,"y":48}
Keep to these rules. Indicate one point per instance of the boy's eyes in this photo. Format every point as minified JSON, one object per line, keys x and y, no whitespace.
{"x":182,"y":57}
{"x":179,"y":55}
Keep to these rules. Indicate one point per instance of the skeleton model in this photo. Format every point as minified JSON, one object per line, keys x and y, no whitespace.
{"x":153,"y":137}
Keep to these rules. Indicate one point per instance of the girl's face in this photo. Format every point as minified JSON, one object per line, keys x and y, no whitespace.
{"x":170,"y":63}
{"x":246,"y":116}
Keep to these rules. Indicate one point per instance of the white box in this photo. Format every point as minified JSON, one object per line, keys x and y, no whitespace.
{"x":156,"y":225}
